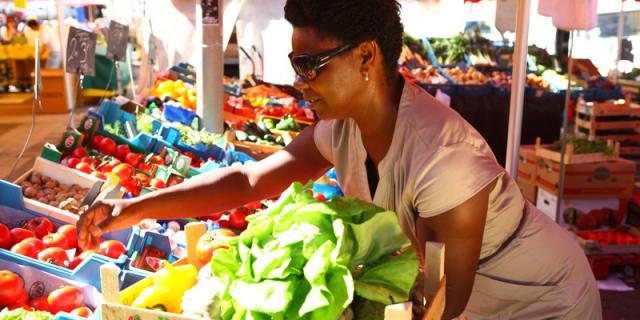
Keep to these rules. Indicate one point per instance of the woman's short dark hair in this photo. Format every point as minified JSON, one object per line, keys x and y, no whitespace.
{"x":353,"y":21}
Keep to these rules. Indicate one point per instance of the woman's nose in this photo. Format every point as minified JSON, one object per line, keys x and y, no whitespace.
{"x":300,"y":83}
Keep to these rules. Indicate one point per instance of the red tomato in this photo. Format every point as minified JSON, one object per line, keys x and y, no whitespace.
{"x":84,"y":167}
{"x":99,"y":175}
{"x":55,"y":256}
{"x":19,"y":234}
{"x":55,"y":240}
{"x":20,"y":305}
{"x":143,"y":179}
{"x":319,"y":196}
{"x":82,"y":312}
{"x":144,"y":167}
{"x":70,"y":233}
{"x":210,"y":242}
{"x":75,"y":262}
{"x":242,"y":210}
{"x":72,"y":162}
{"x":5,"y":237}
{"x":112,"y":249}
{"x":39,"y":304}
{"x":65,"y":299}
{"x":29,"y":247}
{"x":10,"y":283}
{"x":122,"y":151}
{"x":41,"y":226}
{"x":95,"y":141}
{"x":124,"y":172}
{"x":156,"y":159}
{"x":157,"y":183}
{"x":23,"y":297}
{"x":132,"y":158}
{"x":224,"y":224}
{"x":86,"y":159}
{"x":107,"y":146}
{"x":238,"y":221}
{"x":79,"y":152}
{"x":254,"y":205}
{"x":85,"y":254}
{"x":108,"y":167}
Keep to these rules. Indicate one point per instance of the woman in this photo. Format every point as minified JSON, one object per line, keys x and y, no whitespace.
{"x":395,"y":145}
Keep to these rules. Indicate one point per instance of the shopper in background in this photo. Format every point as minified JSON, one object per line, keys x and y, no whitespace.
{"x":395,"y":145}
{"x":9,"y":31}
{"x":48,"y":39}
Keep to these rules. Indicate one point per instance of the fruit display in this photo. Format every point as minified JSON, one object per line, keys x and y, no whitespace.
{"x":49,"y":191}
{"x":192,"y":137}
{"x":537,"y":82}
{"x":429,"y":74}
{"x":178,"y":90}
{"x":500,"y":79}
{"x":17,"y":303}
{"x":39,"y":239}
{"x":450,"y":51}
{"x":298,"y":259}
{"x":471,"y":76}
{"x":610,"y":237}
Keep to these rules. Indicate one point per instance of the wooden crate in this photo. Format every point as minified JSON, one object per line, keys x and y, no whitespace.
{"x":612,"y":120}
{"x":589,"y":180}
{"x":545,"y":152}
{"x":529,"y":189}
{"x":257,"y":151}
{"x":527,"y":163}
{"x":116,"y":304}
{"x":608,"y":108}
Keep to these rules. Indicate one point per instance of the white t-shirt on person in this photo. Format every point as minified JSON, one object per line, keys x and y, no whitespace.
{"x":47,"y":35}
{"x":436,"y":162}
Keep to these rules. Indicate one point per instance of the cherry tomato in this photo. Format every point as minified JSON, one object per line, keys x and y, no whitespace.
{"x":84,"y":167}
{"x":79,"y":152}
{"x":133,"y":159}
{"x":107,"y":146}
{"x":99,"y":175}
{"x":124,"y":172}
{"x":95,"y":141}
{"x":122,"y":151}
{"x":72,"y":162}
{"x":82,"y":312}
{"x":238,"y":221}
{"x":319,"y":196}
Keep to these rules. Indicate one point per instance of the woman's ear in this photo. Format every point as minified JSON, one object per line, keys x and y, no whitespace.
{"x":368,"y":54}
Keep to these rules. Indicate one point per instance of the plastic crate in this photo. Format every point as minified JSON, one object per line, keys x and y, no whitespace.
{"x":176,"y":113}
{"x":449,"y":89}
{"x":504,"y":90}
{"x":603,"y":94}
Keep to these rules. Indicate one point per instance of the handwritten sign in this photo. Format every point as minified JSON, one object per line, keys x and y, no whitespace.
{"x":210,"y":12}
{"x":81,"y":52}
{"x":117,"y":40}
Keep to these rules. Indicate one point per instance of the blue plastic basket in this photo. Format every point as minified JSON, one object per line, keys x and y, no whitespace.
{"x":177,"y":113}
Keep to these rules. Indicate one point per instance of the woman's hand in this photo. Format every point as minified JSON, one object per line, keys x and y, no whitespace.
{"x":104,"y":216}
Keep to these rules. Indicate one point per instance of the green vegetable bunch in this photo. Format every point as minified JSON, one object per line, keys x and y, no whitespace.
{"x":193,"y":137}
{"x":144,"y":123}
{"x":115,"y":129}
{"x":304,"y":259}
{"x":22,"y":314}
{"x":583,"y":145}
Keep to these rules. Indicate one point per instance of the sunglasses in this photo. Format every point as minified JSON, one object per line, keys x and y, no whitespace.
{"x":308,"y":66}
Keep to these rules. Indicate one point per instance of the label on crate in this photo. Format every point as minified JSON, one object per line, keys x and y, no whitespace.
{"x":168,"y":155}
{"x":51,"y":153}
{"x":70,"y":141}
{"x":174,"y":179}
{"x":90,"y":124}
{"x":163,"y":173}
{"x":181,"y":164}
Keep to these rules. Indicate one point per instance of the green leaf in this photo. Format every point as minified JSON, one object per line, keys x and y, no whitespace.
{"x":389,"y":282}
{"x":376,"y":237}
{"x":268,"y":296}
{"x":345,"y":245}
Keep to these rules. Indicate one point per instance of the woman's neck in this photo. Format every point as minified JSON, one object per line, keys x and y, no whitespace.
{"x":378,"y":115}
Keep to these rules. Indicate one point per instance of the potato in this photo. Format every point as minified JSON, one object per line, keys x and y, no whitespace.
{"x":51,"y":184}
{"x":36,"y":179}
{"x":30,"y":192}
{"x":78,"y":196}
{"x":61,"y":197}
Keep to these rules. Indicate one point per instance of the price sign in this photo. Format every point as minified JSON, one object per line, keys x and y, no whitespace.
{"x":81,"y":52}
{"x":210,"y":12}
{"x":117,"y":40}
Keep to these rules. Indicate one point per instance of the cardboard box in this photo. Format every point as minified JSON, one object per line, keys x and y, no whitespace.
{"x":571,"y":209}
{"x":528,"y":164}
{"x":612,"y":179}
{"x":529,"y":189}
{"x":54,"y":99}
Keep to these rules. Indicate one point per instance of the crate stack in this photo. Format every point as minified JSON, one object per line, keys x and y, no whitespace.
{"x":596,"y":192}
{"x":615,"y":120}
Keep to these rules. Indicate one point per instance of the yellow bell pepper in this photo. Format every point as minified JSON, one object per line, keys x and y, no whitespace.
{"x":158,"y":298}
{"x":177,"y":279}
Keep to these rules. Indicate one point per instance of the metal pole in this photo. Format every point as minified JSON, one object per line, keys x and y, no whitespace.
{"x":210,"y":64}
{"x":565,"y":123}
{"x":68,"y":82}
{"x":620,"y":34}
{"x":517,"y":86}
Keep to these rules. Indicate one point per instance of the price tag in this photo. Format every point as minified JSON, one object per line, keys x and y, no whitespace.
{"x":210,"y":12}
{"x":117,"y":40}
{"x":81,"y":52}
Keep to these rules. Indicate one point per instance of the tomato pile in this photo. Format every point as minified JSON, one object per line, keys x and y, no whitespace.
{"x":116,"y":161}
{"x":235,"y":219}
{"x":610,"y":237}
{"x":64,"y":299}
{"x":37,"y":240}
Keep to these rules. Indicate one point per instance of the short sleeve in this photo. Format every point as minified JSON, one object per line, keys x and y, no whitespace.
{"x":451,"y":176}
{"x":323,"y":138}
